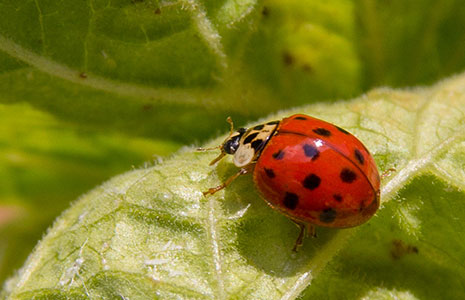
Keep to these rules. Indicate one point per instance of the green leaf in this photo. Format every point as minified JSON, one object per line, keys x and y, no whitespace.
{"x":135,"y":66}
{"x":404,"y":43}
{"x":45,"y":163}
{"x":150,"y":233}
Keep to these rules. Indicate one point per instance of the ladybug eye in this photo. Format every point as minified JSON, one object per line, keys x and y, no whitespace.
{"x":231,"y":145}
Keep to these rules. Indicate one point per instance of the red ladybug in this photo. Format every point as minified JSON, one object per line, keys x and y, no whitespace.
{"x":314,"y":172}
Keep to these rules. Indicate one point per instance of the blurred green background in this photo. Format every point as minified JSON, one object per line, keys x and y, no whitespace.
{"x":90,"y":90}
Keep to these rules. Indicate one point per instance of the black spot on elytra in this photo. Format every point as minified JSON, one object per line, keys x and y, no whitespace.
{"x":272,"y":123}
{"x":300,"y":118}
{"x":311,"y":182}
{"x":322,"y":132}
{"x":311,"y":151}
{"x":270,"y":173}
{"x":347,"y":175}
{"x":257,"y":144}
{"x":259,"y":127}
{"x":328,"y":215}
{"x":342,"y":130}
{"x":359,"y":156}
{"x":278,"y":155}
{"x":337,"y":197}
{"x":250,"y":138}
{"x":291,"y":200}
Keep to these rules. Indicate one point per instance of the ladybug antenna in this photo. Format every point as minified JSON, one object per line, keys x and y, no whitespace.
{"x":231,"y":131}
{"x":223,"y":153}
{"x":200,"y":149}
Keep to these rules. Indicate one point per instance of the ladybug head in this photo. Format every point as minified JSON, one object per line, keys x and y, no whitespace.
{"x":232,"y":143}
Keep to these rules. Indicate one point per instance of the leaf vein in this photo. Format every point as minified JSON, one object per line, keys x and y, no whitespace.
{"x":215,"y":248}
{"x":207,"y":30}
{"x":41,"y":24}
{"x":190,"y":96}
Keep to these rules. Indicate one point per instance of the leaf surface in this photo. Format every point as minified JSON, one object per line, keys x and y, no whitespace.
{"x":150,"y":233}
{"x":44,"y":163}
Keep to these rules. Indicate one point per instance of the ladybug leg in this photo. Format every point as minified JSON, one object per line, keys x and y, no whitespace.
{"x":311,"y":230}
{"x":228,"y":181}
{"x":306,"y":229}
{"x":300,"y":238}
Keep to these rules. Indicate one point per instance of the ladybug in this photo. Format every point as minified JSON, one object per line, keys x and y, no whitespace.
{"x":312,"y":171}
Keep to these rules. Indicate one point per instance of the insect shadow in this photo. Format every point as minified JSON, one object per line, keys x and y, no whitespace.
{"x":263,"y":236}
